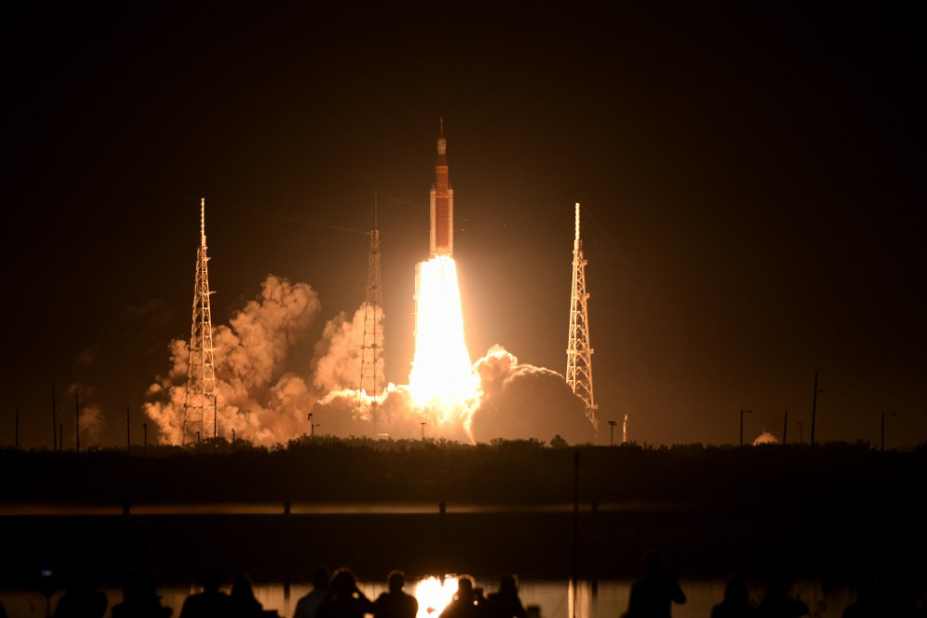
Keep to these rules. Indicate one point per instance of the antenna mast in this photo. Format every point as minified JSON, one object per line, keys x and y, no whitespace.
{"x":579,"y":350}
{"x":200,"y":408}
{"x":372,"y":347}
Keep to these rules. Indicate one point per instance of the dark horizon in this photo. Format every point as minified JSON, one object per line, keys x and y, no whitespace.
{"x":749,"y":177}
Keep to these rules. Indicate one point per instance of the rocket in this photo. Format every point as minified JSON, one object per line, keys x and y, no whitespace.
{"x":442,"y":204}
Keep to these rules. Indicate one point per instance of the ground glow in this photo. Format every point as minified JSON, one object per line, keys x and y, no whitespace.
{"x":442,"y":374}
{"x":434,"y":594}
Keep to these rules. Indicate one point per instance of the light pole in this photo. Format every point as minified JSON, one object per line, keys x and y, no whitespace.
{"x":423,"y":430}
{"x":742,"y":424}
{"x":312,"y":426}
{"x":612,"y":424}
{"x":800,"y":433}
{"x":884,"y":414}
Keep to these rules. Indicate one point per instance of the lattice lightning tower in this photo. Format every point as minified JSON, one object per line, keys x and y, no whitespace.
{"x":579,"y":350}
{"x":200,"y":408}
{"x":371,"y":349}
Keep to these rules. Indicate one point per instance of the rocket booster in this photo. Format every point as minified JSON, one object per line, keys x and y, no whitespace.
{"x":442,"y":204}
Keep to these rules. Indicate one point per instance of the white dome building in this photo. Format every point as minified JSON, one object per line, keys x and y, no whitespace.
{"x":765,"y":438}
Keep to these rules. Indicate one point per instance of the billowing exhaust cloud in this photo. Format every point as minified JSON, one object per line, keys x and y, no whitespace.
{"x":337,"y":364}
{"x":258,"y":398}
{"x":525,"y":401}
{"x":266,"y":401}
{"x":91,"y":414}
{"x":514,"y":401}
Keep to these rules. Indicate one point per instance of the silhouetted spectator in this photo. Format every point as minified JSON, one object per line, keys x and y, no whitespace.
{"x":395,"y":603}
{"x":210,"y":603}
{"x":344,"y":599}
{"x":308,"y":606}
{"x":81,"y":599}
{"x":140,"y":599}
{"x":736,"y":602}
{"x":653,"y":596}
{"x":2,"y":610}
{"x":467,"y":602}
{"x":505,"y":603}
{"x":244,"y":605}
{"x":777,"y":603}
{"x":881,"y":601}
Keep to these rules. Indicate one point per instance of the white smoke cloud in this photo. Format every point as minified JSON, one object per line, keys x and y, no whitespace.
{"x":524,"y":401}
{"x":337,"y":365}
{"x":91,"y":421}
{"x":257,"y":398}
{"x":514,"y":401}
{"x":264,"y":401}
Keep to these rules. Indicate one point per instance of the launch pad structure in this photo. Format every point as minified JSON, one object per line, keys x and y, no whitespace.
{"x":200,"y":398}
{"x":371,"y":377}
{"x":579,"y":348}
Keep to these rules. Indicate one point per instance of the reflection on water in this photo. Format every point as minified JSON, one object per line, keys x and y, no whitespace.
{"x":434,"y":594}
{"x":609,"y":599}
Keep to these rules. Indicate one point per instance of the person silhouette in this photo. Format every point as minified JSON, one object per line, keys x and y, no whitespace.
{"x":505,"y":602}
{"x":653,"y":595}
{"x":140,"y":599}
{"x":243,"y":603}
{"x":81,"y":599}
{"x":308,"y":606}
{"x":467,"y":602}
{"x":777,"y":603}
{"x":736,"y":603}
{"x":210,"y":603}
{"x":344,"y":599}
{"x":878,"y":598}
{"x":395,"y":603}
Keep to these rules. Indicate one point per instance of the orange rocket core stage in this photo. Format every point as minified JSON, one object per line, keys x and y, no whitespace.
{"x":442,"y":204}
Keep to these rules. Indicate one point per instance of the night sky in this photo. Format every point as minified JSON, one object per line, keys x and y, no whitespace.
{"x":751,"y":179}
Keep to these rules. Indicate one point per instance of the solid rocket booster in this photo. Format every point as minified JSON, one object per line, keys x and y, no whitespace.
{"x":442,"y":204}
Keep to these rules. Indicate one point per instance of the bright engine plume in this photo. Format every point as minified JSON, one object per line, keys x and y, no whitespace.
{"x":441,"y":373}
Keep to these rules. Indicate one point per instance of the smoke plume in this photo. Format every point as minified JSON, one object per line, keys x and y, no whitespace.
{"x":91,"y":420}
{"x":514,"y":401}
{"x":264,"y":400}
{"x":257,"y":397}
{"x":337,"y":365}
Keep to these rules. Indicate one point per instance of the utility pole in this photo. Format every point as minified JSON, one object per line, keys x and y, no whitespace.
{"x":16,"y":439}
{"x":128,"y":430}
{"x":801,"y":433}
{"x":579,"y":346}
{"x":145,"y":439}
{"x":423,"y":431}
{"x":785,"y":426}
{"x":611,"y":441}
{"x":814,"y":406}
{"x":742,"y":424}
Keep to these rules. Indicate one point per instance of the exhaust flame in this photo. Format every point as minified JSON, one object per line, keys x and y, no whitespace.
{"x":442,"y":375}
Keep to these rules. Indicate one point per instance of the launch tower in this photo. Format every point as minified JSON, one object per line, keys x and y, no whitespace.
{"x":579,"y":350}
{"x":200,"y":408}
{"x":371,"y":349}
